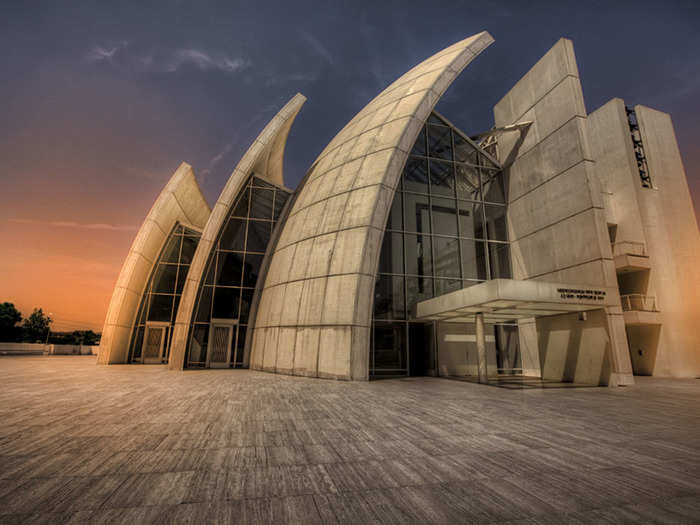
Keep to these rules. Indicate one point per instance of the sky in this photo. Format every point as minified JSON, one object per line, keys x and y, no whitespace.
{"x":101,"y":101}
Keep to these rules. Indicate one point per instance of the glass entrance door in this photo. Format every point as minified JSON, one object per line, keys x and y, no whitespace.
{"x":221,"y":342}
{"x":154,"y":341}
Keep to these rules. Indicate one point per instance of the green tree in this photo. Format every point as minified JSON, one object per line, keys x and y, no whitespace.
{"x":10,"y":317}
{"x":36,"y":326}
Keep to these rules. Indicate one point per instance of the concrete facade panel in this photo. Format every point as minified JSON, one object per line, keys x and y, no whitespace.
{"x":181,"y":200}
{"x":264,"y":158}
{"x":367,"y":155}
{"x":551,"y":169}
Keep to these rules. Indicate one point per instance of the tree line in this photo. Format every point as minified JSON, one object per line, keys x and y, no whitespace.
{"x":36,"y":328}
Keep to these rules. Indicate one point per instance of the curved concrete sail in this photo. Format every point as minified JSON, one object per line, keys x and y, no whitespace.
{"x":264,"y":158}
{"x":180,"y":201}
{"x":315,"y":309}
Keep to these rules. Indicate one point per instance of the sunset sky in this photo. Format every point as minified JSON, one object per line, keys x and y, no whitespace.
{"x":100,"y":104}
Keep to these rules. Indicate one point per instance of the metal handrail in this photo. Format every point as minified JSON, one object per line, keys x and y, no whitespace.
{"x":636,"y":302}
{"x":630,"y":248}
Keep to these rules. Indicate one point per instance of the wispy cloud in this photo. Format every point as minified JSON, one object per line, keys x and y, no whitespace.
{"x":302,"y":77}
{"x":78,"y":225}
{"x":169,"y":62}
{"x":216,"y":159}
{"x":317,"y":46}
{"x":105,"y":53}
{"x":206,"y":61}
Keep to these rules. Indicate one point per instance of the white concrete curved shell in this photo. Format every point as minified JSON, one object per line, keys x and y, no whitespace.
{"x":315,"y":309}
{"x":264,"y":158}
{"x":180,"y":201}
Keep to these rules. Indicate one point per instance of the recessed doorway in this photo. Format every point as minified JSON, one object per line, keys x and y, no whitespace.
{"x":154,"y":342}
{"x":221,"y":334}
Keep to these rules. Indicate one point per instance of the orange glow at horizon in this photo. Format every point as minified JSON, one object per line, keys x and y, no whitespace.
{"x":67,"y":271}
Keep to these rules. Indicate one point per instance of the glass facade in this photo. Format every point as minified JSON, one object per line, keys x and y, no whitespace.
{"x":162,"y":295}
{"x":446,"y":230}
{"x":226,"y":291}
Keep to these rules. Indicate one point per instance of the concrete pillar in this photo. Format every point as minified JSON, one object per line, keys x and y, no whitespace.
{"x":481,"y":348}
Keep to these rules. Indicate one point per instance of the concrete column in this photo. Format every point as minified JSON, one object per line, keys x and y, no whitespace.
{"x":481,"y":348}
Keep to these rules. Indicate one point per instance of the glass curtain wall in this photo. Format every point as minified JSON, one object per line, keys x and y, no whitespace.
{"x":233,"y":267}
{"x":162,"y":296}
{"x":446,"y":230}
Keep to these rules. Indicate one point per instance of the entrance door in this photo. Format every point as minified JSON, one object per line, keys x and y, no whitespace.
{"x":421,"y":349}
{"x":221,"y":341}
{"x":154,"y":343}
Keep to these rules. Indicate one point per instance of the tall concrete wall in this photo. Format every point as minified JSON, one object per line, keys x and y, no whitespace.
{"x":663,"y":219}
{"x":673,"y":244}
{"x":616,"y":167}
{"x":315,"y":309}
{"x":180,"y":201}
{"x":557,"y":217}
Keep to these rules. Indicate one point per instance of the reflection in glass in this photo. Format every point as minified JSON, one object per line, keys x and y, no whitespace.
{"x":233,"y":237}
{"x":415,"y":175}
{"x":494,"y":188}
{"x":496,"y":222}
{"x":391,"y":255}
{"x":171,"y":252}
{"x":439,"y":142}
{"x":473,"y":259}
{"x":446,"y":252}
{"x":443,"y":286}
{"x":416,"y":213}
{"x":229,"y":269}
{"x":418,"y":289}
{"x":418,"y":254}
{"x":189,"y":246}
{"x":160,"y":307}
{"x":499,"y":259}
{"x":467,"y":182}
{"x":442,"y":178}
{"x":258,"y":236}
{"x":465,"y":151}
{"x":203,"y":311}
{"x":389,"y":297}
{"x":164,"y":281}
{"x":253,"y":263}
{"x":261,"y":204}
{"x":444,"y":216}
{"x":471,"y":219}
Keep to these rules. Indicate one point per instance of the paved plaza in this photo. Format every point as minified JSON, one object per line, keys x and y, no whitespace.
{"x":131,"y":444}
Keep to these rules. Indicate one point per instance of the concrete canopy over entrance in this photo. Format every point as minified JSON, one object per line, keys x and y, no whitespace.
{"x":501,"y":300}
{"x":509,"y":300}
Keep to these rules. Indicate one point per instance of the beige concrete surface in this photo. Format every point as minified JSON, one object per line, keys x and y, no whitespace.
{"x":556,"y":215}
{"x":264,"y":158}
{"x":180,"y":201}
{"x":314,"y":313}
{"x":127,"y":444}
{"x":662,"y":221}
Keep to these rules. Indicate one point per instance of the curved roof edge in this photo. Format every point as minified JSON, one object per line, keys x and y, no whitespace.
{"x":315,"y":309}
{"x":181,"y":200}
{"x":264,"y":157}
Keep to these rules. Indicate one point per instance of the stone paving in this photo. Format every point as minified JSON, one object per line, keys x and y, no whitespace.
{"x":132,"y":444}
